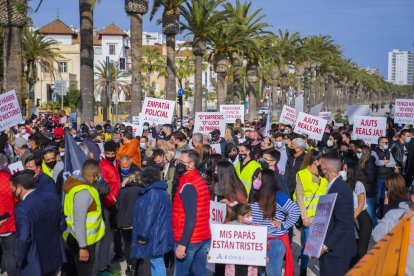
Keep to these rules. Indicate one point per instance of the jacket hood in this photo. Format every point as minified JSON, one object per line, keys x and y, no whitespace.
{"x":404,"y":206}
{"x":161,"y":185}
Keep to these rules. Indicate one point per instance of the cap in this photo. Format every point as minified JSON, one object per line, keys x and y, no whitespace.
{"x":20,"y":142}
{"x":215,"y":132}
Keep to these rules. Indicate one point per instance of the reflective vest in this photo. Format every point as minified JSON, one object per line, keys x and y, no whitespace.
{"x":46,"y":170}
{"x":95,"y":227}
{"x":246,"y":175}
{"x":311,"y":188}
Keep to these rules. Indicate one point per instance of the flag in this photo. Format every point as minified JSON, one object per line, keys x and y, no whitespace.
{"x":74,"y":158}
{"x":267,"y":129}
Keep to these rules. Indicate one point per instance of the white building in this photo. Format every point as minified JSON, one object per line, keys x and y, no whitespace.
{"x":401,"y":67}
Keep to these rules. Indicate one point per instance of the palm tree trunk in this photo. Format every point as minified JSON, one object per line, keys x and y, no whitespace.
{"x":251,"y":91}
{"x":86,"y":77}
{"x":148,"y":79}
{"x":284,"y":96}
{"x":198,"y":83}
{"x":275,"y":101}
{"x":12,"y":61}
{"x":170,"y":84}
{"x":136,"y":60}
{"x":236,"y":84}
{"x":221,"y":89}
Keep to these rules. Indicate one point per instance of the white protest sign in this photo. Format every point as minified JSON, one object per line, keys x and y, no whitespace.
{"x":328,"y":116}
{"x":10,"y":114}
{"x":218,"y":212}
{"x":157,"y":111}
{"x":16,"y":167}
{"x":215,"y":148}
{"x":357,"y":110}
{"x":316,"y":109}
{"x":233,"y":112}
{"x":206,"y":122}
{"x":288,"y":115}
{"x":310,"y":125}
{"x":404,"y":111}
{"x":369,"y":129}
{"x":319,"y":226}
{"x":135,"y":119}
{"x":134,"y":128}
{"x":238,"y":244}
{"x":299,"y":104}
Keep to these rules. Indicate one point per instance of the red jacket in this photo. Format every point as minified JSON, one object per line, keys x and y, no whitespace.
{"x":110,"y":174}
{"x":7,"y":202}
{"x":201,"y":230}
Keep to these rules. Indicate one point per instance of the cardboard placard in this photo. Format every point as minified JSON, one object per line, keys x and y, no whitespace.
{"x":316,"y":109}
{"x":238,"y":244}
{"x":218,"y":212}
{"x":233,"y":112}
{"x":157,"y":111}
{"x":215,"y":148}
{"x":357,"y":110}
{"x":16,"y":167}
{"x":404,"y":111}
{"x":369,"y":128}
{"x":310,"y":125}
{"x":288,"y":115}
{"x":327,"y":115}
{"x":206,"y":122}
{"x":299,"y":100}
{"x":10,"y":114}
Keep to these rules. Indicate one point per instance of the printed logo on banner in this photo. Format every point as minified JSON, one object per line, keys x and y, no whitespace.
{"x":404,"y":111}
{"x":206,"y":122}
{"x":233,"y":112}
{"x":288,"y":115}
{"x":158,"y":111}
{"x":310,"y":125}
{"x":238,"y":244}
{"x":10,"y":114}
{"x":369,"y":129}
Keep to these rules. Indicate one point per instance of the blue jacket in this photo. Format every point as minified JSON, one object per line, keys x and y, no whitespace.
{"x":39,"y":227}
{"x":45,"y":184}
{"x":152,"y":222}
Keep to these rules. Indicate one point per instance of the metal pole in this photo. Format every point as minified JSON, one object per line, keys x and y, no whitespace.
{"x":106,"y":113}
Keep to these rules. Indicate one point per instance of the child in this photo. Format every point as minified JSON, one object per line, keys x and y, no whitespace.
{"x":240,"y":214}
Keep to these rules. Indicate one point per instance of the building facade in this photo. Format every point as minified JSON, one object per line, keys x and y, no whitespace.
{"x":401,"y":67}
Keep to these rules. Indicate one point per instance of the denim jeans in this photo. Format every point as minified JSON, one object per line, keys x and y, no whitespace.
{"x":372,"y":207}
{"x":380,"y":194}
{"x":304,"y":259}
{"x":8,"y":245}
{"x":194,"y":262}
{"x":276,"y":253}
{"x":158,"y":266}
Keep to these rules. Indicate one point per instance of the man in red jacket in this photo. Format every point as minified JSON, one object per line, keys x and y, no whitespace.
{"x":8,"y":226}
{"x":190,"y":217}
{"x":110,"y":174}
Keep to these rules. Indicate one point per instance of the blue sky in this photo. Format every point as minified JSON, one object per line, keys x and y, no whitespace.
{"x":367,"y":29}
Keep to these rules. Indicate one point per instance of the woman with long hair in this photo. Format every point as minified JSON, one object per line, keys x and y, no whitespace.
{"x":229,"y":187}
{"x":209,"y":171}
{"x":309,"y":187}
{"x":276,"y":211}
{"x":396,"y":191}
{"x":355,"y":178}
{"x":367,"y":163}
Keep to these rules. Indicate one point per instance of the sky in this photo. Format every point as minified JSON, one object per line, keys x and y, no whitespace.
{"x":366,"y":29}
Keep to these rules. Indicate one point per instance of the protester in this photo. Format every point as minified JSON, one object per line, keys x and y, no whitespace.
{"x":190,"y":217}
{"x":247,"y":169}
{"x":339,"y":247}
{"x":152,"y":232}
{"x":197,"y":142}
{"x":126,"y":167}
{"x":130,"y":147}
{"x":399,"y":150}
{"x":296,"y":154}
{"x":44,"y":183}
{"x":274,"y":209}
{"x":39,"y":228}
{"x":229,"y":189}
{"x":48,"y":162}
{"x":396,"y":192}
{"x":281,"y":147}
{"x":21,"y":147}
{"x":216,"y":139}
{"x":231,"y":152}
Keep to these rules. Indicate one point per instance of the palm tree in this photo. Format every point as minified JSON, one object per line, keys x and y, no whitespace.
{"x":115,"y":85}
{"x":152,"y":62}
{"x":13,"y":19}
{"x":201,"y":18}
{"x":37,"y":51}
{"x":170,"y":27}
{"x":136,"y":9}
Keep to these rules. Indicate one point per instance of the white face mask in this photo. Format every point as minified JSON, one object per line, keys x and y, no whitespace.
{"x":343,"y":175}
{"x":329,"y":143}
{"x":248,"y":220}
{"x":279,"y":144}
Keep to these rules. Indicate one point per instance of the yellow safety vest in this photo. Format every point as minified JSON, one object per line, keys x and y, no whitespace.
{"x":246,"y":174}
{"x":311,"y":188}
{"x":95,"y":227}
{"x":46,"y":170}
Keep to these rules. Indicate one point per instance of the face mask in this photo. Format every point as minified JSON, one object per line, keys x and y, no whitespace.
{"x":292,"y":151}
{"x":249,"y":140}
{"x":286,"y":142}
{"x":407,"y":140}
{"x":320,"y":172}
{"x":248,"y":220}
{"x":233,"y":157}
{"x":145,"y":127}
{"x":23,"y":132}
{"x":242,"y":156}
{"x":108,"y":130}
{"x":359,"y":155}
{"x":286,"y":131}
{"x":178,"y":124}
{"x":74,"y":136}
{"x":125,"y":171}
{"x":343,"y":175}
{"x":279,"y":144}
{"x":180,"y":169}
{"x":329,"y":143}
{"x":160,"y":165}
{"x":62,"y":154}
{"x":385,"y":147}
{"x":257,"y":183}
{"x":110,"y":159}
{"x":162,"y":134}
{"x":51,"y":164}
{"x":142,"y":145}
{"x":264,"y":165}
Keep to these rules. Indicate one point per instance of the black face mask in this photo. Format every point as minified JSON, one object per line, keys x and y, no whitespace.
{"x":110,"y":159}
{"x":321,"y":174}
{"x":264,"y":165}
{"x":51,"y":164}
{"x":233,"y":157}
{"x":160,"y":165}
{"x":162,"y":134}
{"x":242,"y":156}
{"x":249,"y":140}
{"x":180,"y":169}
{"x":291,"y":151}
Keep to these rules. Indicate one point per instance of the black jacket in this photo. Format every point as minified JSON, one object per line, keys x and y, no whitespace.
{"x":370,"y":177}
{"x":125,"y":204}
{"x":397,"y":150}
{"x":292,"y":167}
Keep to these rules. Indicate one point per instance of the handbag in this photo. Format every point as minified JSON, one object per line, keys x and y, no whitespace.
{"x":299,"y":223}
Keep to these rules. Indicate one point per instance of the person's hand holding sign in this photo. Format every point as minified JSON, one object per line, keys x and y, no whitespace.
{"x":180,"y":251}
{"x":277,"y":223}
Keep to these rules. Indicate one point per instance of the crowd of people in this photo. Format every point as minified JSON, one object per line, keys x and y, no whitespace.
{"x":146,"y":198}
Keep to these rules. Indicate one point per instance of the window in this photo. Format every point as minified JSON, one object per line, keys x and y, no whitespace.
{"x":111,"y":49}
{"x":63,"y":67}
{"x":98,"y":50}
{"x":122,"y":65}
